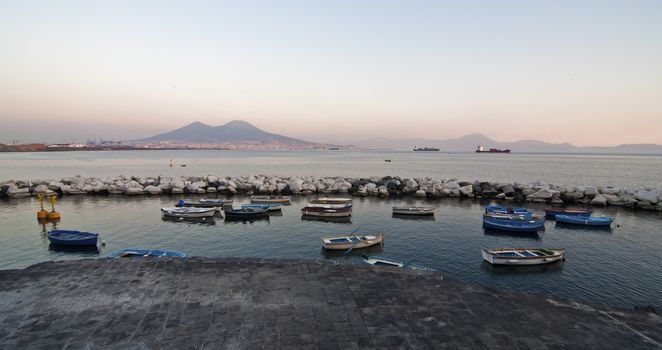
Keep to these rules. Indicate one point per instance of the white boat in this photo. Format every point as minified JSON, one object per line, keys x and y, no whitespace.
{"x":329,"y":206}
{"x":523,"y":256}
{"x":381,"y":261}
{"x":188,"y":212}
{"x":325,"y":200}
{"x":414,"y":210}
{"x":351,"y":241}
{"x":271,"y":199}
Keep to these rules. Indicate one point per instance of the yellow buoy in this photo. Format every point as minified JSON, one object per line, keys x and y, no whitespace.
{"x":53,"y":215}
{"x":42,"y":214}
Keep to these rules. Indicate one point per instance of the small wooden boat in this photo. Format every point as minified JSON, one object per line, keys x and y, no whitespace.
{"x":513,"y":225}
{"x":133,"y":253}
{"x":329,"y":206}
{"x":352,"y":241}
{"x":188,"y":212}
{"x":382,"y":261}
{"x":325,"y":200}
{"x":204,"y":203}
{"x":513,"y":216}
{"x":267,"y":207}
{"x":414,"y":210}
{"x":326,"y":212}
{"x":585,"y":220}
{"x":271,"y":199}
{"x":551,"y":213}
{"x":73,"y":238}
{"x":522,"y":256}
{"x":245,"y":213}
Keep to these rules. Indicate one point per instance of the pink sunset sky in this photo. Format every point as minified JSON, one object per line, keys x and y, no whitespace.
{"x":586,"y":72}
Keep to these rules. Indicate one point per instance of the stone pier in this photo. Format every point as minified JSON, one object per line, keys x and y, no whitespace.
{"x":198,"y":303}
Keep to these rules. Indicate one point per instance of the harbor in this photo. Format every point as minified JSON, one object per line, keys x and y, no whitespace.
{"x":242,"y":303}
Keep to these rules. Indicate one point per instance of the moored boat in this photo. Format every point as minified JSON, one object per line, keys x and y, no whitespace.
{"x":414,"y":210}
{"x":325,"y":211}
{"x":329,"y":206}
{"x":352,"y":241}
{"x":522,"y":256}
{"x":267,"y":207}
{"x":551,"y":213}
{"x":245,"y":213}
{"x":382,"y":261}
{"x":513,"y":225}
{"x":325,"y":200}
{"x":271,"y":199}
{"x":585,"y":220}
{"x":499,"y":209}
{"x":73,"y":238}
{"x":204,"y":203}
{"x":145,"y":253}
{"x":188,"y":212}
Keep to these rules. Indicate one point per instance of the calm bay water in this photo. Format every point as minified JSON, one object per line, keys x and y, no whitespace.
{"x":613,"y":170}
{"x":621,"y":267}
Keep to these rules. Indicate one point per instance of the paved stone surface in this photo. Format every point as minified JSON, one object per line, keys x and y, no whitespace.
{"x":273,"y":304}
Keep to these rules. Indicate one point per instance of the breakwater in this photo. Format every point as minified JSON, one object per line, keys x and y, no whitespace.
{"x":378,"y":186}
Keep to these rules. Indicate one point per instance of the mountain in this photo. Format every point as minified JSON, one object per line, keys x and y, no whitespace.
{"x":236,"y":131}
{"x":469,"y":143}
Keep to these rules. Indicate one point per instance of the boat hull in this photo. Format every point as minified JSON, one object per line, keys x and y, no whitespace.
{"x":205,"y":203}
{"x":551,"y":213}
{"x":270,"y":199}
{"x":325,"y":200}
{"x":513,"y":225}
{"x":492,"y":257}
{"x":327,"y":213}
{"x":414,"y":211}
{"x":72,"y":238}
{"x":584,"y":220}
{"x":345,"y":242}
{"x":245,"y":214}
{"x":145,"y":253}
{"x":187,"y":212}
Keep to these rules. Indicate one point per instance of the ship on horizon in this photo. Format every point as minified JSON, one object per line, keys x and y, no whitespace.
{"x":426,"y":149}
{"x":480,"y":149}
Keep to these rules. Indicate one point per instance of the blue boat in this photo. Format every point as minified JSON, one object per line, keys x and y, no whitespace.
{"x":73,"y":238}
{"x":381,"y":261}
{"x":552,"y":213}
{"x":267,"y":207}
{"x":513,"y":225}
{"x":499,"y":209}
{"x":146,"y":252}
{"x":585,"y":220}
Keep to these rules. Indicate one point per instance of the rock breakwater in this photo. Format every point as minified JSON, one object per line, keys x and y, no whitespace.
{"x":378,"y":186}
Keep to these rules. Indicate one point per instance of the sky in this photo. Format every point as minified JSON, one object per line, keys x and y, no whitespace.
{"x":584,"y":72}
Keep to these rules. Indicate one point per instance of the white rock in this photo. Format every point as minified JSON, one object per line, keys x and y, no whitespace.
{"x":43,"y":189}
{"x":467,"y":190}
{"x":212,"y":179}
{"x":371,"y":188}
{"x":211,"y":189}
{"x":14,"y":192}
{"x":55,"y":185}
{"x":647,"y":195}
{"x":452,"y":185}
{"x":411,"y":184}
{"x":599,"y":200}
{"x":590,"y":191}
{"x":134,"y":190}
{"x":295,"y":184}
{"x":362,"y":191}
{"x":542,"y":194}
{"x":151,"y":189}
{"x":420,"y":193}
{"x":610,"y":190}
{"x":177,"y":190}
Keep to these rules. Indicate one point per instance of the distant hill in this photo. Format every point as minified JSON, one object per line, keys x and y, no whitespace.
{"x":468,"y":143}
{"x":236,"y":131}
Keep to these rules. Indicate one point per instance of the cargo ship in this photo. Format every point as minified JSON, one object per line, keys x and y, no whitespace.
{"x":426,"y":149}
{"x":480,"y":149}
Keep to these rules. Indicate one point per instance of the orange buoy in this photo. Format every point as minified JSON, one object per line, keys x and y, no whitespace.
{"x":53,"y":215}
{"x":41,"y":214}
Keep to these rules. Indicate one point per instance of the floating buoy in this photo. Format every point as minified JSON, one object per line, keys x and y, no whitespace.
{"x":41,"y":214}
{"x":53,"y":215}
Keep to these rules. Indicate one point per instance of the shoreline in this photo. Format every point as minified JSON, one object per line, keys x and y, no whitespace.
{"x":280,"y":303}
{"x":377,"y":186}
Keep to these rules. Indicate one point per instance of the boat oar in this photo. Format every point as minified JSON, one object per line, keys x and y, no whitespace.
{"x":355,"y":243}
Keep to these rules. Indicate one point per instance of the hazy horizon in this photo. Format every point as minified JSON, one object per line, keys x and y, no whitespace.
{"x":587,"y":73}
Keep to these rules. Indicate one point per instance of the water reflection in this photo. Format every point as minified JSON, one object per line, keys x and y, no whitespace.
{"x":564,"y":225}
{"x":413,"y":217}
{"x":339,"y":220}
{"x":240,"y":220}
{"x":199,"y":221}
{"x":493,"y":232}
{"x":77,"y":250}
{"x":531,"y":269}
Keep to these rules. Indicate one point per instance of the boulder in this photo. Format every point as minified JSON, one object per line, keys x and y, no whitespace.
{"x":55,"y":185}
{"x":420,"y":193}
{"x":542,"y":194}
{"x":43,"y":189}
{"x":177,"y":190}
{"x":599,"y":200}
{"x":151,"y":189}
{"x":383,"y":191}
{"x":362,"y":191}
{"x":136,"y":190}
{"x":466,"y":190}
{"x":15,"y":192}
{"x":508,"y":190}
{"x":610,"y":190}
{"x":647,"y":195}
{"x":590,"y":191}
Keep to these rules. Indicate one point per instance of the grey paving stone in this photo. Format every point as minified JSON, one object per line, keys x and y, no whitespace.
{"x":243,"y":303}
